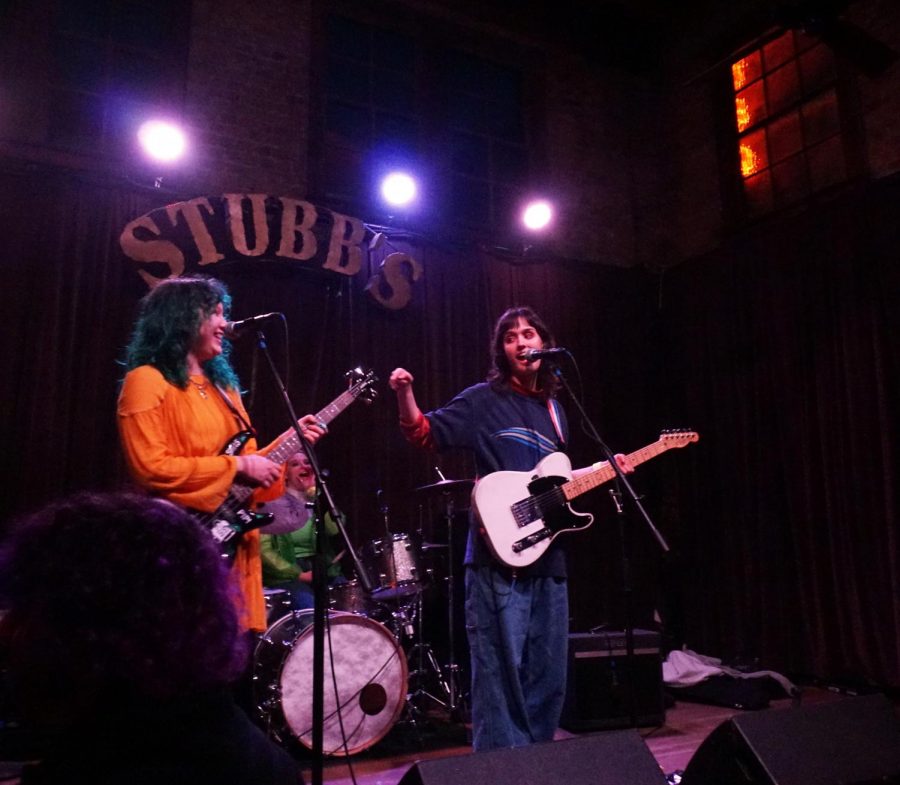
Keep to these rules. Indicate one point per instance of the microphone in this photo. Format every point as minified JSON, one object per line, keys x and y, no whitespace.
{"x":537,"y":354}
{"x":382,"y":504}
{"x":236,"y":329}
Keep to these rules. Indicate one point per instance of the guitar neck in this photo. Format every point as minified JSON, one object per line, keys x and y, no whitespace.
{"x":291,"y":444}
{"x":605,"y":472}
{"x":240,"y":492}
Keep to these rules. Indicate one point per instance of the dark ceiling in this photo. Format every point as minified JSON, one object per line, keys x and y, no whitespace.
{"x":638,"y":35}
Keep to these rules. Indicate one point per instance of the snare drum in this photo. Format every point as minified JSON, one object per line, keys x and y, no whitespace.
{"x":369,"y":668}
{"x":393,"y":565}
{"x":350,"y":597}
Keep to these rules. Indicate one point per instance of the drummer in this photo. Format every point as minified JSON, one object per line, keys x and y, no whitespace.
{"x":287,"y":544}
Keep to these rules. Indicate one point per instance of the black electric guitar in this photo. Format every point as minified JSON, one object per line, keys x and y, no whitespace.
{"x":523,"y":512}
{"x":233,"y":518}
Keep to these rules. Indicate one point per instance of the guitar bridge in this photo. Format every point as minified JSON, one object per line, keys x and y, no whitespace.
{"x":532,"y":539}
{"x":526,"y":511}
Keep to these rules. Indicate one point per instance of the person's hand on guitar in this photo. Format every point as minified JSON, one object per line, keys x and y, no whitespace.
{"x":624,"y":463}
{"x":311,"y":428}
{"x":258,"y":469}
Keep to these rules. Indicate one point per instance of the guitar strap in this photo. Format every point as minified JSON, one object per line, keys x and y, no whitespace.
{"x":553,"y":408}
{"x":236,"y":412}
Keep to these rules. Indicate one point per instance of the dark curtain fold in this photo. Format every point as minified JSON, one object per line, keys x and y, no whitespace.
{"x":780,"y":349}
{"x":784,"y":347}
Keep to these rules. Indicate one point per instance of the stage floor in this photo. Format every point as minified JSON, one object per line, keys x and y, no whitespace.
{"x":672,"y":744}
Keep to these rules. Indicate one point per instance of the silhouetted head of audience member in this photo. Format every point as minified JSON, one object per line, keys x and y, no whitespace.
{"x":112,"y":598}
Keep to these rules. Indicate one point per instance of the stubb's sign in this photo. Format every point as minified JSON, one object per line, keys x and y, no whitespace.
{"x":191,"y":235}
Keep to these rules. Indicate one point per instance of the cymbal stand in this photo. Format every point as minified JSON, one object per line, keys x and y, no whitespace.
{"x":423,"y":655}
{"x":452,"y":668}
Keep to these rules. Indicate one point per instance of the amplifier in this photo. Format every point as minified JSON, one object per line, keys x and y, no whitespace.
{"x":601,"y":685}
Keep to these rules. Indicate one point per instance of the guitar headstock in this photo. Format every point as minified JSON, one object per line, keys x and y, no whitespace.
{"x":678,"y":438}
{"x":362,"y":384}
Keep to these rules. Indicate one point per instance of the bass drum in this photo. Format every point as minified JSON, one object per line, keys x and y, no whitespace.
{"x":370,"y":671}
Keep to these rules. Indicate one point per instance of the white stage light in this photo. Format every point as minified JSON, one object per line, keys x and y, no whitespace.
{"x":537,"y":215}
{"x":162,"y":141}
{"x":398,"y":189}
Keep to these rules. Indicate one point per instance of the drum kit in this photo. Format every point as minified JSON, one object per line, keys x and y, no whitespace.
{"x":372,"y":640}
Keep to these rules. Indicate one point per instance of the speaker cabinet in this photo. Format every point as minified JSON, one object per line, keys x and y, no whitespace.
{"x":846,"y":742}
{"x":602,"y":683}
{"x":614,"y":758}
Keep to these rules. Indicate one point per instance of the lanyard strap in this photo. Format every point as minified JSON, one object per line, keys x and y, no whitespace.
{"x":236,"y":412}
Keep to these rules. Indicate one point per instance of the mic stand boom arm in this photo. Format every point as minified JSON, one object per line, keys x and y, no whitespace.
{"x":621,"y":479}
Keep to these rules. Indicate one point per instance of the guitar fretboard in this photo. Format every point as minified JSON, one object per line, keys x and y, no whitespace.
{"x":605,"y":472}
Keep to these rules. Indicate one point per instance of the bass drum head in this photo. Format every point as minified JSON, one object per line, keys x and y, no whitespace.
{"x":370,"y":672}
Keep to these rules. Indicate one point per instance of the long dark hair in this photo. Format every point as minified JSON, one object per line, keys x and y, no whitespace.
{"x":168,"y":322}
{"x":115,"y":596}
{"x":500,"y":372}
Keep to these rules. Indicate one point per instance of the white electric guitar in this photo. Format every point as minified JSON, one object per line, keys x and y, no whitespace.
{"x":523,"y":512}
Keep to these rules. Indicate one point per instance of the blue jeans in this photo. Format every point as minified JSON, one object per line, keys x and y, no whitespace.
{"x":302,"y":593}
{"x":518,"y":641}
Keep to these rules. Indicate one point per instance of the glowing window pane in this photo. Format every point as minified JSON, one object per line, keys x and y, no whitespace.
{"x":750,"y":106}
{"x":827,"y":165}
{"x":783,"y":87}
{"x":779,"y":51}
{"x":785,"y":137}
{"x":745,"y":71}
{"x":742,"y":113}
{"x":820,"y":118}
{"x":758,"y":193}
{"x":804,"y":40}
{"x":816,"y":68}
{"x":789,"y":182}
{"x":754,"y":157}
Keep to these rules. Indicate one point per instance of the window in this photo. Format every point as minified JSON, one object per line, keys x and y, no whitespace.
{"x":488,"y":156}
{"x":788,"y":122}
{"x":405,"y":97}
{"x":370,"y":103}
{"x":109,"y":61}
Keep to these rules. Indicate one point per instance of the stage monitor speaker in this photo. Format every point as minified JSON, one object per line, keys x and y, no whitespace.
{"x":602,"y":683}
{"x":853,"y":741}
{"x":613,"y":758}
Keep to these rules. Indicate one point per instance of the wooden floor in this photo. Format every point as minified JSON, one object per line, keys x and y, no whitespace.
{"x":672,"y":745}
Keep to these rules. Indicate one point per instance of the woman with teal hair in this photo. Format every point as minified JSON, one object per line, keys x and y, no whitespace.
{"x":179,"y":406}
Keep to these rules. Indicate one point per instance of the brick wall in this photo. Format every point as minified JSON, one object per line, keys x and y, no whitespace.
{"x":248,"y":95}
{"x":634,"y":161}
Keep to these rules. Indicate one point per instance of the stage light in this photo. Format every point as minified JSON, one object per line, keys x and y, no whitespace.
{"x":162,"y":141}
{"x":398,"y":189}
{"x":537,"y":215}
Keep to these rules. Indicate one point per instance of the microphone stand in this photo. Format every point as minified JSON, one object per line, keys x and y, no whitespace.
{"x":622,"y":483}
{"x":324,"y":501}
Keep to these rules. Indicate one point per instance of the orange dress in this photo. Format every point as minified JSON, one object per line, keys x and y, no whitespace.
{"x":172,"y":440}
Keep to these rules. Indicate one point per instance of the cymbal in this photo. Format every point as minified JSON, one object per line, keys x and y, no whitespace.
{"x":445,"y":486}
{"x":429,"y":546}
